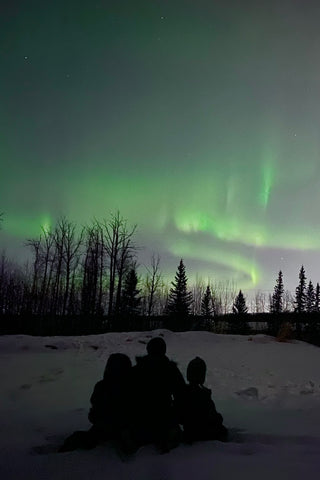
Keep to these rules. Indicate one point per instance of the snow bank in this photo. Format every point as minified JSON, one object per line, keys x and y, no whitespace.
{"x":268,"y":393}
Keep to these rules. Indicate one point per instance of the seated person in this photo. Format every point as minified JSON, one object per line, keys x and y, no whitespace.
{"x":110,"y":411}
{"x":157,"y":381}
{"x":197,"y":411}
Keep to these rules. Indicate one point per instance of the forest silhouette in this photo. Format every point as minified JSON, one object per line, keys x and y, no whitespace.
{"x":85,"y":280}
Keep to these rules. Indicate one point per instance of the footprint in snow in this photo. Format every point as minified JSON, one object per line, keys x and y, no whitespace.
{"x":51,"y":376}
{"x":25,"y":386}
{"x":250,"y":393}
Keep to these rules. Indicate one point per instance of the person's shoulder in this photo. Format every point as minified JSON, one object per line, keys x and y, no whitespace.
{"x":188,"y":388}
{"x":199,"y":391}
{"x":175,"y":373}
{"x":205,"y":392}
{"x":98,"y":389}
{"x":172,"y":364}
{"x":142,"y":364}
{"x":139,"y":360}
{"x":100,"y":384}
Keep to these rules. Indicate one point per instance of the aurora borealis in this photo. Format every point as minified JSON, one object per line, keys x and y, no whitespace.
{"x":198,"y":120}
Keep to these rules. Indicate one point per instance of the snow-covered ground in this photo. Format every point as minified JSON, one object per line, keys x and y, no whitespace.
{"x":268,"y":393}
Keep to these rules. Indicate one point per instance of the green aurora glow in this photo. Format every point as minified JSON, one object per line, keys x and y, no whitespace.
{"x":189,"y":117}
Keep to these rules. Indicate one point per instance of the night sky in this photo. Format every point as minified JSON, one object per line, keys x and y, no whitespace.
{"x":198,"y":120}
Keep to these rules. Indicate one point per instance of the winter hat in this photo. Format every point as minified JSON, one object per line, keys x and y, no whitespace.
{"x":156,"y":346}
{"x":196,"y":371}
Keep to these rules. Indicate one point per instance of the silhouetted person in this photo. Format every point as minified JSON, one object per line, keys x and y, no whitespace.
{"x":157,"y":381}
{"x":110,"y":412}
{"x":198,"y":414}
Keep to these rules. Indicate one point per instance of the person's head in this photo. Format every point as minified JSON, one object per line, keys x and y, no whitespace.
{"x":118,"y":366}
{"x":196,"y":371}
{"x":156,"y":347}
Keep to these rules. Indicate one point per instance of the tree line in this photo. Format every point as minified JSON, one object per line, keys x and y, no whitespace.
{"x":92,"y":272}
{"x":89,"y":271}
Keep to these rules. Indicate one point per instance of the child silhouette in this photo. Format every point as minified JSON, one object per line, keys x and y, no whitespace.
{"x":198,"y":414}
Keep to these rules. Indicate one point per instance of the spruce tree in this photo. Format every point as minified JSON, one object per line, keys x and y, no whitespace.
{"x":310,"y":298}
{"x":300,"y":298}
{"x":317,"y":299}
{"x":237,"y":324}
{"x":239,"y":305}
{"x":206,"y":304}
{"x":179,"y":298}
{"x":277,"y":297}
{"x":130,"y":302}
{"x":311,"y":327}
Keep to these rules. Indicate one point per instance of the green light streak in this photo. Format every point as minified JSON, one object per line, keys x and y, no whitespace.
{"x":212,"y":205}
{"x":267,"y":183}
{"x":247,"y":233}
{"x":222,"y":207}
{"x":27,"y":227}
{"x":46,"y":224}
{"x":237,"y":263}
{"x":227,"y":229}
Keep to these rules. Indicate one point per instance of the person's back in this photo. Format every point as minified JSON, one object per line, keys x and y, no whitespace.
{"x":198,"y":413}
{"x":109,"y":412}
{"x":156,"y":381}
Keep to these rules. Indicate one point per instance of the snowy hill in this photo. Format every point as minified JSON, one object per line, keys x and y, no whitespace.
{"x":268,"y":393}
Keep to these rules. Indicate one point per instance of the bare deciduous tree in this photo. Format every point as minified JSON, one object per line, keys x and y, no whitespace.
{"x":119,"y":247}
{"x":152,"y":283}
{"x":198,"y":290}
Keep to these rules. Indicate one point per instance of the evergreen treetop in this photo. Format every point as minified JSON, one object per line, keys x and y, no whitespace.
{"x":310,"y":298}
{"x":180,"y":299}
{"x":130,"y":296}
{"x":300,"y":298}
{"x":317,"y":299}
{"x":239,"y":305}
{"x":277,"y":297}
{"x":207,"y":304}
